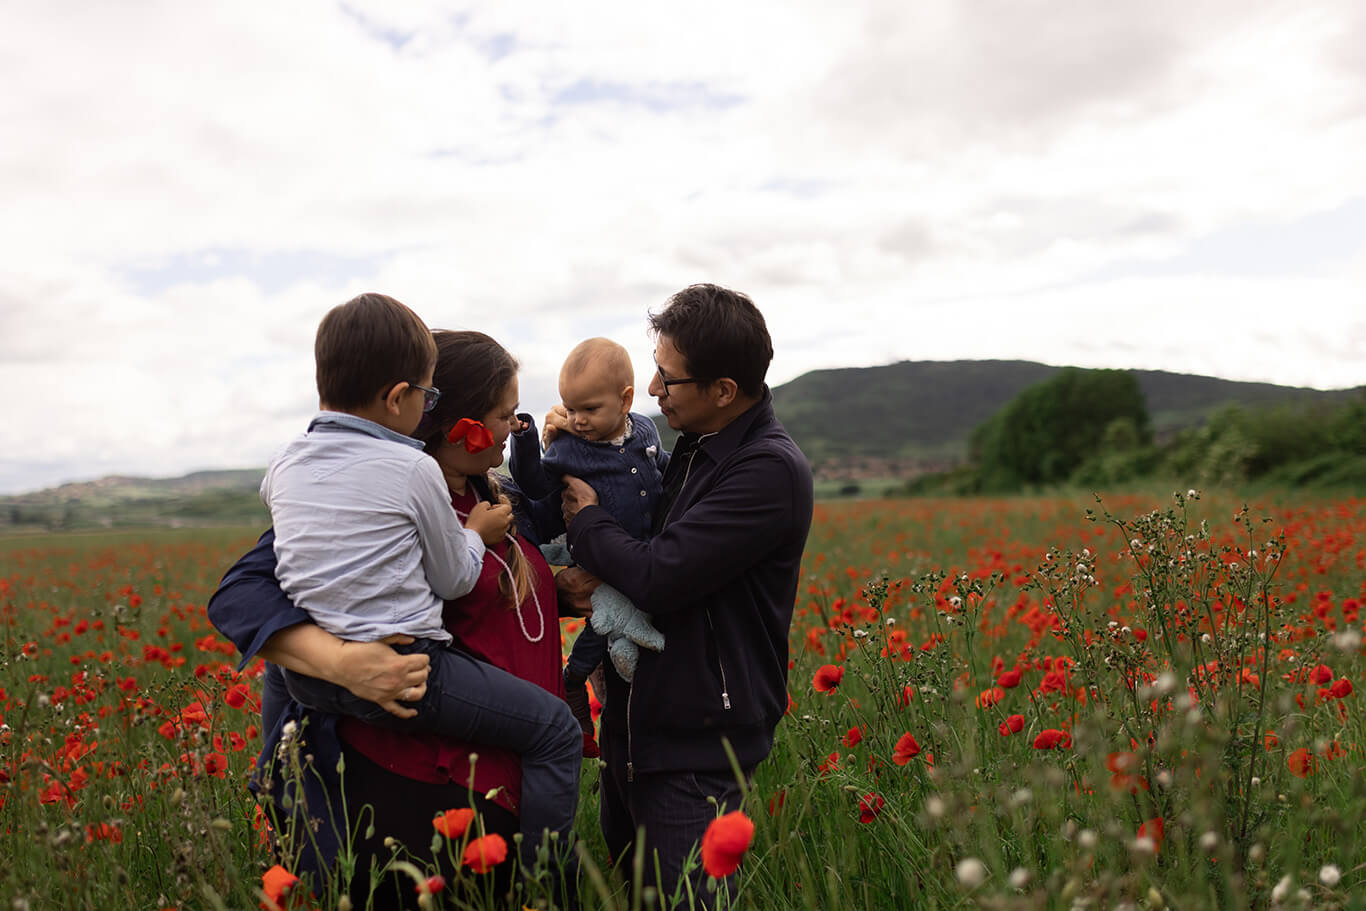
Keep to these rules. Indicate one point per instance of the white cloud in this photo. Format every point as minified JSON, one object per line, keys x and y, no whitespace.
{"x":194,"y":184}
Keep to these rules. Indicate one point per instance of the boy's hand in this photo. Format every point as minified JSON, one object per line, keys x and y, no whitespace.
{"x":556,"y":420}
{"x":490,"y":522}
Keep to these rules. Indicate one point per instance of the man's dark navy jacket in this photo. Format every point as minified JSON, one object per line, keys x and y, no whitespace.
{"x":720,"y":578}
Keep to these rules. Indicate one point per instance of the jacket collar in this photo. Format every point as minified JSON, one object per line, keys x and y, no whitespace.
{"x":722,"y":443}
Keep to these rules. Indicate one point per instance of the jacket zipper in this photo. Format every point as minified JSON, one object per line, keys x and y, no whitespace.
{"x":630,"y":757}
{"x":725,"y":689}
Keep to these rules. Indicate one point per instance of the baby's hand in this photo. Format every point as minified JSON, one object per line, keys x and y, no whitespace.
{"x":489,"y":522}
{"x":556,"y":420}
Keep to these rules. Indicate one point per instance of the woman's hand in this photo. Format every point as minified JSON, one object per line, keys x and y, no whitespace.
{"x":370,"y":670}
{"x":556,"y":420}
{"x":490,"y":522}
{"x":575,"y":586}
{"x":375,"y":672}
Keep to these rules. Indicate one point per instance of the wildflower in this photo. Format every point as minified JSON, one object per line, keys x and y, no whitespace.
{"x":1282,"y":889}
{"x":1301,"y":763}
{"x":1330,"y":875}
{"x":483,"y":854}
{"x":1010,"y":679}
{"x":990,"y":697}
{"x":276,"y":883}
{"x":431,"y":886}
{"x":454,"y":823}
{"x":1052,"y":738}
{"x":934,"y":805}
{"x":725,"y":842}
{"x":869,"y":806}
{"x":906,"y":749}
{"x":1019,"y":878}
{"x":971,"y":872}
{"x":1012,"y":725}
{"x":1340,"y":689}
{"x":853,"y":736}
{"x":1154,"y":831}
{"x":828,"y":677}
{"x":236,"y":696}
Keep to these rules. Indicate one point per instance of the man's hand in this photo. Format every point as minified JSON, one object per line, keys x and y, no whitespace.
{"x":375,"y":672}
{"x":556,"y":420}
{"x":577,"y":494}
{"x":574,"y":587}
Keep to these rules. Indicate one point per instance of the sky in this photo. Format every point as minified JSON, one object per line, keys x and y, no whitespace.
{"x":188,"y":187}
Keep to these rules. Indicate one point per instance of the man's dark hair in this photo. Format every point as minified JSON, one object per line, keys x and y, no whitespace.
{"x":366,"y":346}
{"x":720,"y":333}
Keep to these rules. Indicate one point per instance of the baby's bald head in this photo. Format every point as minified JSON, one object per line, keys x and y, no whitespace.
{"x":597,"y":385}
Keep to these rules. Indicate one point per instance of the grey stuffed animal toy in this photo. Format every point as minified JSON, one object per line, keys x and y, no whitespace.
{"x":627,"y":627}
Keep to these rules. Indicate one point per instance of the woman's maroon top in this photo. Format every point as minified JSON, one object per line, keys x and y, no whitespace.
{"x":487,"y":627}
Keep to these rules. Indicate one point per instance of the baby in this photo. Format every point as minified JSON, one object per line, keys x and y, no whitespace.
{"x":619,"y":454}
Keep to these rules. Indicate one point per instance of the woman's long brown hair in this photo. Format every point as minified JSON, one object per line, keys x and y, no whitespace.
{"x":473,"y":373}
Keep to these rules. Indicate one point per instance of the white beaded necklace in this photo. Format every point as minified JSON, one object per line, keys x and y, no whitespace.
{"x":512,"y":581}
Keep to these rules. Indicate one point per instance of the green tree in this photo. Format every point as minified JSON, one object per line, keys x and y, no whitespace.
{"x":1047,"y":431}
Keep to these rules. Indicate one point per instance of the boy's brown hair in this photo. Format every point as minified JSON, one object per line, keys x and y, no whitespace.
{"x":368,"y":345}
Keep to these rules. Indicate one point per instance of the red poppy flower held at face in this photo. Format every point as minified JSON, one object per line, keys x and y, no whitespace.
{"x":483,"y":854}
{"x":828,"y":676}
{"x":476,"y":436}
{"x":906,"y":749}
{"x":725,"y":842}
{"x":869,"y":805}
{"x":454,"y":823}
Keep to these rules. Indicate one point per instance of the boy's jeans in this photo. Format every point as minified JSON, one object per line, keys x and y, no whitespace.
{"x":475,"y":702}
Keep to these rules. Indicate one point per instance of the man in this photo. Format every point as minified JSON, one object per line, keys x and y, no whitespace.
{"x":719,"y":576}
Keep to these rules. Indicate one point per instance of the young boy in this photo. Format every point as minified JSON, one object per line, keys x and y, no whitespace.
{"x":365,"y":537}
{"x":620,"y":455}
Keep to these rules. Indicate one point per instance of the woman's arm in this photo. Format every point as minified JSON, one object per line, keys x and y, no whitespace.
{"x":371,"y":670}
{"x":252,"y":610}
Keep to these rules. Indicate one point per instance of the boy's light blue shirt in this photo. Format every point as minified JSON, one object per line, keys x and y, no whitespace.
{"x":365,"y":537}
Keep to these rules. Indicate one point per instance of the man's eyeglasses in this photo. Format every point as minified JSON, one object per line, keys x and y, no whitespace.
{"x":430,"y":396}
{"x":666,"y":382}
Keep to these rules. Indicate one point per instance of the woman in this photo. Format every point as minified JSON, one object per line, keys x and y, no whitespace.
{"x":508,"y":621}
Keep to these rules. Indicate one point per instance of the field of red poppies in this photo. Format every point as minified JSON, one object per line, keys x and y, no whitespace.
{"x":1047,"y":702}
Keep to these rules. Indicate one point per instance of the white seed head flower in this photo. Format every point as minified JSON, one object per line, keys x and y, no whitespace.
{"x":1349,"y":640}
{"x":1209,"y":841}
{"x":1257,"y":853}
{"x":934,"y":805}
{"x":956,"y":601}
{"x":1164,"y":779}
{"x":860,"y":634}
{"x":971,"y":872}
{"x":1144,"y":845}
{"x":1282,"y":889}
{"x":1256,"y":780}
{"x":1087,"y":839}
{"x":1330,"y":875}
{"x":1019,"y":878}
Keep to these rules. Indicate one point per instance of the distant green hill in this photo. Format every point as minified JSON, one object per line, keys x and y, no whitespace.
{"x":915,"y":414}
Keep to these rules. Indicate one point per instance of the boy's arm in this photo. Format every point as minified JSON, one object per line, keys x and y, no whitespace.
{"x":452,"y":555}
{"x":524,"y":463}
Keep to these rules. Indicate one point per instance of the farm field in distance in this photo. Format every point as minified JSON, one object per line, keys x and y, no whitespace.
{"x":998,"y":703}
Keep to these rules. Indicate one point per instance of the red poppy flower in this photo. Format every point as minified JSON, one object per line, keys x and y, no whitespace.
{"x":454,"y":823}
{"x":276,"y":883}
{"x":476,"y":436}
{"x":989,"y":697}
{"x":853,"y":736}
{"x":906,"y":749}
{"x":1340,"y":689}
{"x":1010,"y":679}
{"x":828,"y":676}
{"x":236,"y":696}
{"x":1153,"y":829}
{"x":869,"y":805}
{"x":483,"y":854}
{"x":1052,"y":738}
{"x":831,"y":763}
{"x":1301,"y":763}
{"x":1322,"y":674}
{"x":725,"y":842}
{"x":431,"y":886}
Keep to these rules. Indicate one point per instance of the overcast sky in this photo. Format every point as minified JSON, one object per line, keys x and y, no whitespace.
{"x":186,"y":188}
